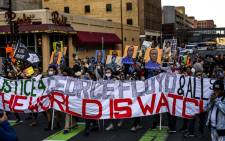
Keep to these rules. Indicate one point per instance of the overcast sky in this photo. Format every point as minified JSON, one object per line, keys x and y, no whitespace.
{"x":202,"y":9}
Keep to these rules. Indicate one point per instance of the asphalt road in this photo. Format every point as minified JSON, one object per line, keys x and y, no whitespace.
{"x":27,"y":133}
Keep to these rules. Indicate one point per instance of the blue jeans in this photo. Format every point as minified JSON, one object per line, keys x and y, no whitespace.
{"x":215,"y":136}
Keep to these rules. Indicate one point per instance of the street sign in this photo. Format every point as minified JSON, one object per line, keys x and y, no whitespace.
{"x":10,"y":15}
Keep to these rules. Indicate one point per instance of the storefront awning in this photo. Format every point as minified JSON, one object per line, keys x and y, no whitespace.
{"x":47,"y":28}
{"x":97,"y":38}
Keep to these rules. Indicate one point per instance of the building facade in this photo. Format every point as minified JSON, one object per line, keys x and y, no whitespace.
{"x":22,"y":4}
{"x":38,"y":29}
{"x":177,"y":16}
{"x":206,"y":24}
{"x":150,"y":18}
{"x":143,"y":13}
{"x":100,"y":9}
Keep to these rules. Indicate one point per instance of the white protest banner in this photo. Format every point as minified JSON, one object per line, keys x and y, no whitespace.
{"x":180,"y":96}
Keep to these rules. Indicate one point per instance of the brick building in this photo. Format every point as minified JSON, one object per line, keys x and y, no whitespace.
{"x":206,"y":24}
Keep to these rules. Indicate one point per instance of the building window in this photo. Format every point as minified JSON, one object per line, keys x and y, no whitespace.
{"x":109,"y":20}
{"x":87,"y":9}
{"x":66,"y":9}
{"x":129,"y":6}
{"x":108,"y":7}
{"x":129,"y":21}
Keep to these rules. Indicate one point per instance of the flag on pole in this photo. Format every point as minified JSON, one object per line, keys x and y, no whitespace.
{"x":22,"y":53}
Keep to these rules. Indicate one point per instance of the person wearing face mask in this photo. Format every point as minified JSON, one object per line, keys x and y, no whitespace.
{"x":216,"y":110}
{"x":36,"y":76}
{"x":108,"y":74}
{"x":90,"y":124}
{"x":52,"y":70}
{"x":112,"y":123}
{"x":70,"y":121}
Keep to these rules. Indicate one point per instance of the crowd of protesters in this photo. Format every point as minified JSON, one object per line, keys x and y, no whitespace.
{"x":94,"y":68}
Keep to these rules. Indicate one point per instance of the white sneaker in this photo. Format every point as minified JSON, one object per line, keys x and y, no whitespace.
{"x":110,"y":127}
{"x":139,"y":127}
{"x":119,"y":124}
{"x":133,"y":129}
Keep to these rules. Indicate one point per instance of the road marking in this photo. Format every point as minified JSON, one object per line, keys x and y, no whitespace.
{"x":13,"y":122}
{"x":155,"y":135}
{"x":60,"y":136}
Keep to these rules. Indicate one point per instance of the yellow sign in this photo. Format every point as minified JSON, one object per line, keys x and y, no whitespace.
{"x":61,"y":46}
{"x":29,"y":71}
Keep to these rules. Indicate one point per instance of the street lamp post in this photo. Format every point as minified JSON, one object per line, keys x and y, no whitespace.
{"x":10,"y":15}
{"x":121,"y":10}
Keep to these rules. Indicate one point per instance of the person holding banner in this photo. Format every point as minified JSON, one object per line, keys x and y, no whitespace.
{"x":108,"y":76}
{"x":216,"y":108}
{"x":36,"y":76}
{"x":52,"y":70}
{"x":90,"y":124}
{"x":112,"y":123}
{"x":70,"y":121}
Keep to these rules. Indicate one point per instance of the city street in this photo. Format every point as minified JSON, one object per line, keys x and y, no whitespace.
{"x":112,"y":70}
{"x":27,"y":133}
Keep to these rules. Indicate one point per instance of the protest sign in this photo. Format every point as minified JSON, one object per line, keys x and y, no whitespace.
{"x":100,"y":56}
{"x":29,"y":71}
{"x":134,"y":51}
{"x":172,"y":42}
{"x":180,"y":96}
{"x":169,"y":48}
{"x":54,"y":46}
{"x":159,"y":58}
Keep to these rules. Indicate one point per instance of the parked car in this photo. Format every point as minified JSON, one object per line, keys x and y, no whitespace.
{"x":189,"y":48}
